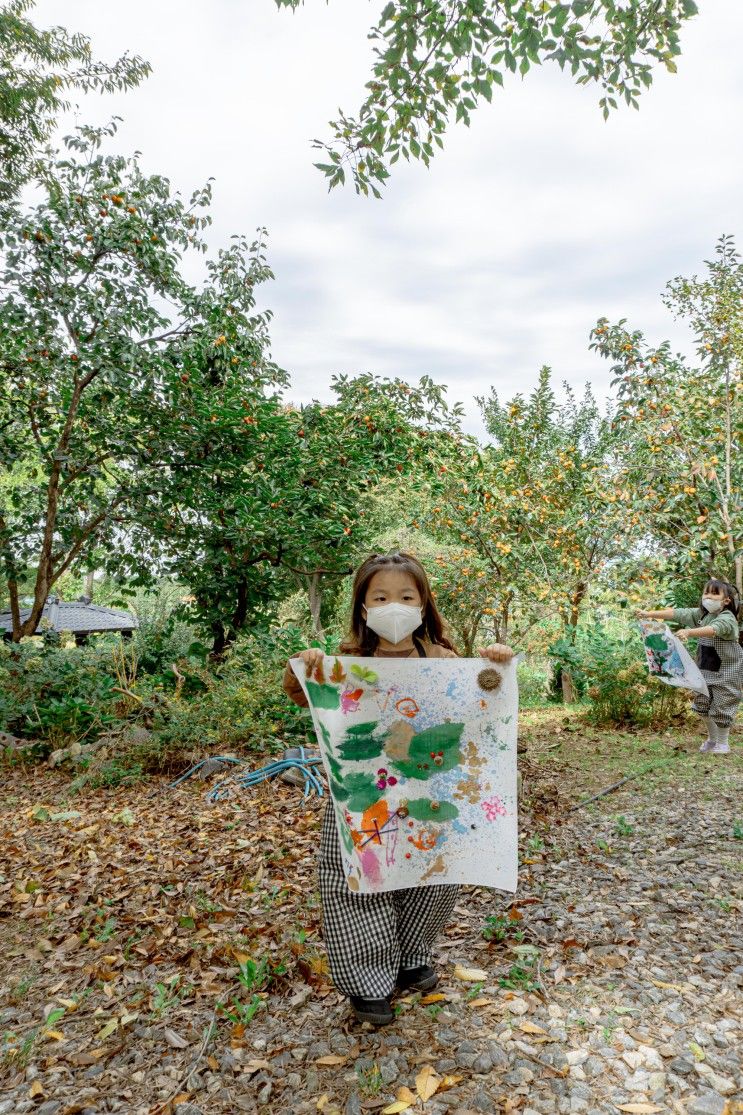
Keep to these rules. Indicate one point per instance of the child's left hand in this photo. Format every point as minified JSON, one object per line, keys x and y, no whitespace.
{"x":497,"y":652}
{"x":683,"y":633}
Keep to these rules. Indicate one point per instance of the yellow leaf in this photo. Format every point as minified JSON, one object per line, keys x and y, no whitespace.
{"x":434,"y":997}
{"x":127,"y":1019}
{"x":639,"y":1108}
{"x":480,"y":1002}
{"x":449,"y":1082}
{"x":35,"y":1090}
{"x":107,"y":1030}
{"x":395,"y":1108}
{"x":530,"y":1028}
{"x":56,"y":1034}
{"x":427,"y":1083}
{"x":470,"y":975}
{"x":699,"y":1054}
{"x":322,"y":1101}
{"x":404,"y":1095}
{"x":331,"y":1059}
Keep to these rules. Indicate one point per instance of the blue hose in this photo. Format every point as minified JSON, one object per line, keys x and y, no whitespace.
{"x":304,"y":763}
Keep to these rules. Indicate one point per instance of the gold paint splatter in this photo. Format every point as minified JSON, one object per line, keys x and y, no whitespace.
{"x":472,"y":758}
{"x":353,"y":882}
{"x":468,"y":789}
{"x":437,"y":867}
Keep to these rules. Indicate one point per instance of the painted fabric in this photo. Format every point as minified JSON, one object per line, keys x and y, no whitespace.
{"x":668,"y":659}
{"x":421,"y":762}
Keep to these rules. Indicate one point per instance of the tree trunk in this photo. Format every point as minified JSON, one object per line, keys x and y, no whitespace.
{"x":569,"y":693}
{"x":314,"y":594}
{"x":89,"y":579}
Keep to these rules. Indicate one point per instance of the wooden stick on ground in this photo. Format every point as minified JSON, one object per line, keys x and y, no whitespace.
{"x":615,"y":785}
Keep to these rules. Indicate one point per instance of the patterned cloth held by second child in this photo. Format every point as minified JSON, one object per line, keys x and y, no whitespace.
{"x":720,"y":658}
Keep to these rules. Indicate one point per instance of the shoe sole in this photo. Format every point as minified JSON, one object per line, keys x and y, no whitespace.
{"x":420,"y":985}
{"x":374,"y":1019}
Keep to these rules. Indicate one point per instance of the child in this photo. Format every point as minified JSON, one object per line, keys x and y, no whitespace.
{"x":378,"y":941}
{"x":719,"y":657}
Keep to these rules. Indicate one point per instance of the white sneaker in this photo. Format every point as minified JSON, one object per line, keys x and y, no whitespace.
{"x":719,"y":749}
{"x":708,"y":745}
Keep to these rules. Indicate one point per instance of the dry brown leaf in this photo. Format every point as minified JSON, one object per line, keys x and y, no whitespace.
{"x":434,"y":997}
{"x":35,"y":1090}
{"x":331,"y":1059}
{"x":470,"y":975}
{"x":484,"y":1002}
{"x":427,"y":1082}
{"x":531,"y":1028}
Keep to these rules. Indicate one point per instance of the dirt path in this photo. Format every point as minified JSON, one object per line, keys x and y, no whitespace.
{"x":163,"y":954}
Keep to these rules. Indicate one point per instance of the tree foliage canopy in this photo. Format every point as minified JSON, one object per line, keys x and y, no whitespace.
{"x":37,"y":70}
{"x":434,"y":60}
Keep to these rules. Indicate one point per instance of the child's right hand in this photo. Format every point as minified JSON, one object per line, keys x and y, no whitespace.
{"x":312,"y":658}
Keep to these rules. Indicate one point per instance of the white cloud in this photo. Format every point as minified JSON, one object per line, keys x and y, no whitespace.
{"x":529,"y":226}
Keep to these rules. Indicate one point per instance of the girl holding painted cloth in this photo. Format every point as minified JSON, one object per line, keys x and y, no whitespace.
{"x":719,"y":656}
{"x":376,"y":942}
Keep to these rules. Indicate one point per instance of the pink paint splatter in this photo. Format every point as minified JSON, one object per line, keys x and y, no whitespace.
{"x":350,"y":699}
{"x":494,"y":808}
{"x":370,"y":866}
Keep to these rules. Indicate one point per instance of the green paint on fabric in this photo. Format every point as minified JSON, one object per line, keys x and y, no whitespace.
{"x":421,"y":809}
{"x":420,"y":763}
{"x":360,"y":742}
{"x":323,"y":696}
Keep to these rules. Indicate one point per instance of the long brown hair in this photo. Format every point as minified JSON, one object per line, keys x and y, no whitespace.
{"x":361,"y":639}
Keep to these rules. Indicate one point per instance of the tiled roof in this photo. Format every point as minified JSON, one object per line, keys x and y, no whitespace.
{"x":77,"y":617}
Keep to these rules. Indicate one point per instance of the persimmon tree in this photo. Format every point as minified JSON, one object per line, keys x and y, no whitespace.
{"x":38,"y":71}
{"x":437,"y":60}
{"x":537,"y":508}
{"x":99,"y":334}
{"x":682,"y":421}
{"x":283,"y":502}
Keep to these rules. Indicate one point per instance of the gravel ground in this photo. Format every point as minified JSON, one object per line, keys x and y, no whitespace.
{"x":612,"y":981}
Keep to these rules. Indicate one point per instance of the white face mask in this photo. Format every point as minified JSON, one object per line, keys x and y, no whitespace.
{"x":393,"y":622}
{"x":712,"y":604}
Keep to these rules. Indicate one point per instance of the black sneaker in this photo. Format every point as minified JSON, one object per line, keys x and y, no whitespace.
{"x":377,"y":1011}
{"x":417,"y":979}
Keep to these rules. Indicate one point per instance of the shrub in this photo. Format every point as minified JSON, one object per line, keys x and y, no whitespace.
{"x":56,"y":695}
{"x":618,"y":685}
{"x":236,"y":706}
{"x":535,"y":679}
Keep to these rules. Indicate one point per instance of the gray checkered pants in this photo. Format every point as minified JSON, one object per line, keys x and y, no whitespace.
{"x":369,"y":937}
{"x":724,"y":684}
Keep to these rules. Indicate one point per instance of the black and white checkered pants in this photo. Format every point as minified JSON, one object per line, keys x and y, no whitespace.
{"x":724,"y":684}
{"x":369,"y":937}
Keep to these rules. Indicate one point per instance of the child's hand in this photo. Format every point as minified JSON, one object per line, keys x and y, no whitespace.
{"x":644,"y":615}
{"x":498,"y":652}
{"x":684,"y":633}
{"x":312,"y":658}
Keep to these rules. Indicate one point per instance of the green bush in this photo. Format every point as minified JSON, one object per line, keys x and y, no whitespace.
{"x":613,"y":674}
{"x":535,"y":679}
{"x":57,"y":695}
{"x":236,"y":706}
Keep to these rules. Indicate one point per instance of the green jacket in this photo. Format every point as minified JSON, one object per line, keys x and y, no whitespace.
{"x":724,"y":623}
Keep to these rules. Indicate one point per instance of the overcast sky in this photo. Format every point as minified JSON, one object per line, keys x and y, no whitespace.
{"x":531,"y":224}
